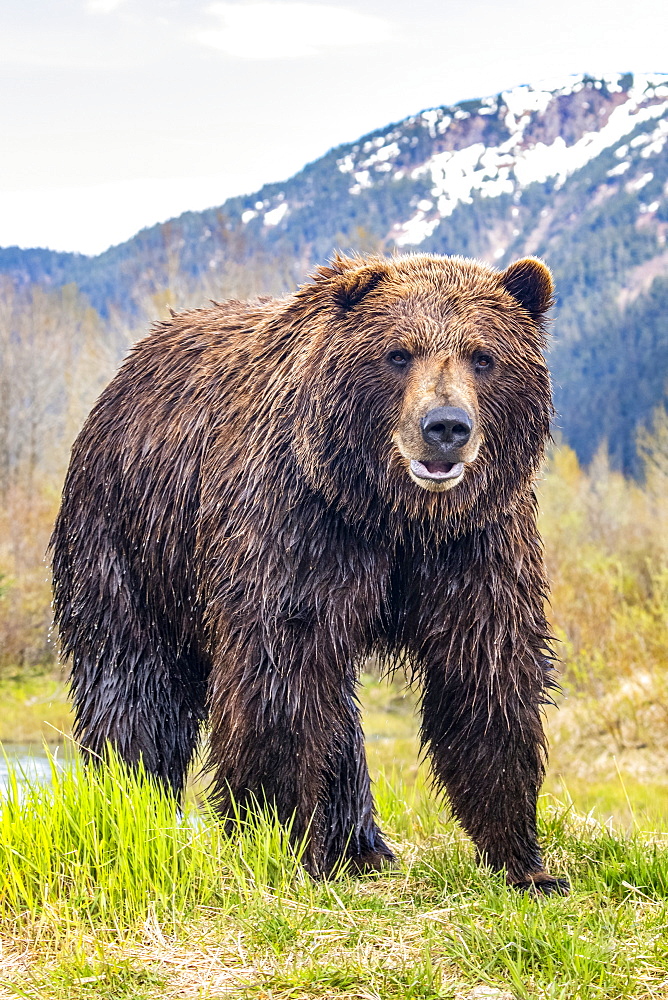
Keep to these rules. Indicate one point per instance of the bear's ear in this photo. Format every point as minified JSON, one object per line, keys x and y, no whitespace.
{"x":350,"y":278}
{"x":352,"y":286}
{"x":530,"y":282}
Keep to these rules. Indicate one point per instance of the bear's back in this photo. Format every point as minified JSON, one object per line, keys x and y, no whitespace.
{"x":134,"y":482}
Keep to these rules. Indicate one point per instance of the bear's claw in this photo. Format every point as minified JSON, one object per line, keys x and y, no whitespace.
{"x":371,"y":861}
{"x":542,"y":884}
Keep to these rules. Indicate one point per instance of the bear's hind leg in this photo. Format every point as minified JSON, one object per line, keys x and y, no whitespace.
{"x":143,"y":710}
{"x":137,"y":682}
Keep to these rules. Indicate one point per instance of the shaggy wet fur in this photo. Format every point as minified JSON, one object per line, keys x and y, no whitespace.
{"x":239,"y":531}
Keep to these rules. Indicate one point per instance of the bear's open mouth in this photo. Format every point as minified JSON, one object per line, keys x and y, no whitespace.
{"x":436,"y":471}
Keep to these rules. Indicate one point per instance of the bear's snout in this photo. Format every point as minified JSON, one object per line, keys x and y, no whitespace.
{"x":446,"y":431}
{"x":446,"y":428}
{"x":438,"y":431}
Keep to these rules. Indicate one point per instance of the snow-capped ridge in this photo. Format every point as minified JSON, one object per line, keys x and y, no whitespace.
{"x":511,"y":165}
{"x":498,"y":145}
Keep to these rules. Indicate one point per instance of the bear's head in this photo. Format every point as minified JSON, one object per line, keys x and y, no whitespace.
{"x":424,"y":385}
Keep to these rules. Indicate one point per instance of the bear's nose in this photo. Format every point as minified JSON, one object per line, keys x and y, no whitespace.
{"x":447,"y":425}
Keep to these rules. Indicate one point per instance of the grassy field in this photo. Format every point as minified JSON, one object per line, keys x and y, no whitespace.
{"x":107,"y":892}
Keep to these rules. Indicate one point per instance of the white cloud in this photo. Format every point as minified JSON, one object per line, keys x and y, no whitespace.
{"x":288,"y":30}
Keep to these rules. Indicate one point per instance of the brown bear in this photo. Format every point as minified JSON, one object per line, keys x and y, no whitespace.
{"x":268,"y":492}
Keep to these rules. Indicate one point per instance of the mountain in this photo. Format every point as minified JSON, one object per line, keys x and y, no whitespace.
{"x":575,"y":171}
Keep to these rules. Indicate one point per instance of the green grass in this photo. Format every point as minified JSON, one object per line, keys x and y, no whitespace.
{"x":108,"y":891}
{"x":80,"y":977}
{"x":109,"y":846}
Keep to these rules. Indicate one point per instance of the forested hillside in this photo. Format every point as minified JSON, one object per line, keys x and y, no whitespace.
{"x":576,"y":172}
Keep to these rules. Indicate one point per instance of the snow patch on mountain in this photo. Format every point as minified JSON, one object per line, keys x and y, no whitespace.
{"x":492,"y":171}
{"x":639,"y":183}
{"x":415,"y":230}
{"x":273,"y":217}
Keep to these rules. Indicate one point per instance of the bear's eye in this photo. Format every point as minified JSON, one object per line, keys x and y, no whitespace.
{"x":483,"y":362}
{"x":399,"y":359}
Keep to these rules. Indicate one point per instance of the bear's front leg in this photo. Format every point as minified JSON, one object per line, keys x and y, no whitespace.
{"x":488,"y":755}
{"x":286,"y":732}
{"x":485,"y":667}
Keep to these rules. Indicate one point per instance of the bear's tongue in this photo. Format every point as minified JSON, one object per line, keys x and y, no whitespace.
{"x":436,"y":468}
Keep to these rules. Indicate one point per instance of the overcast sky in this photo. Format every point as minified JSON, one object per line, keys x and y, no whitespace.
{"x":116,"y":114}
